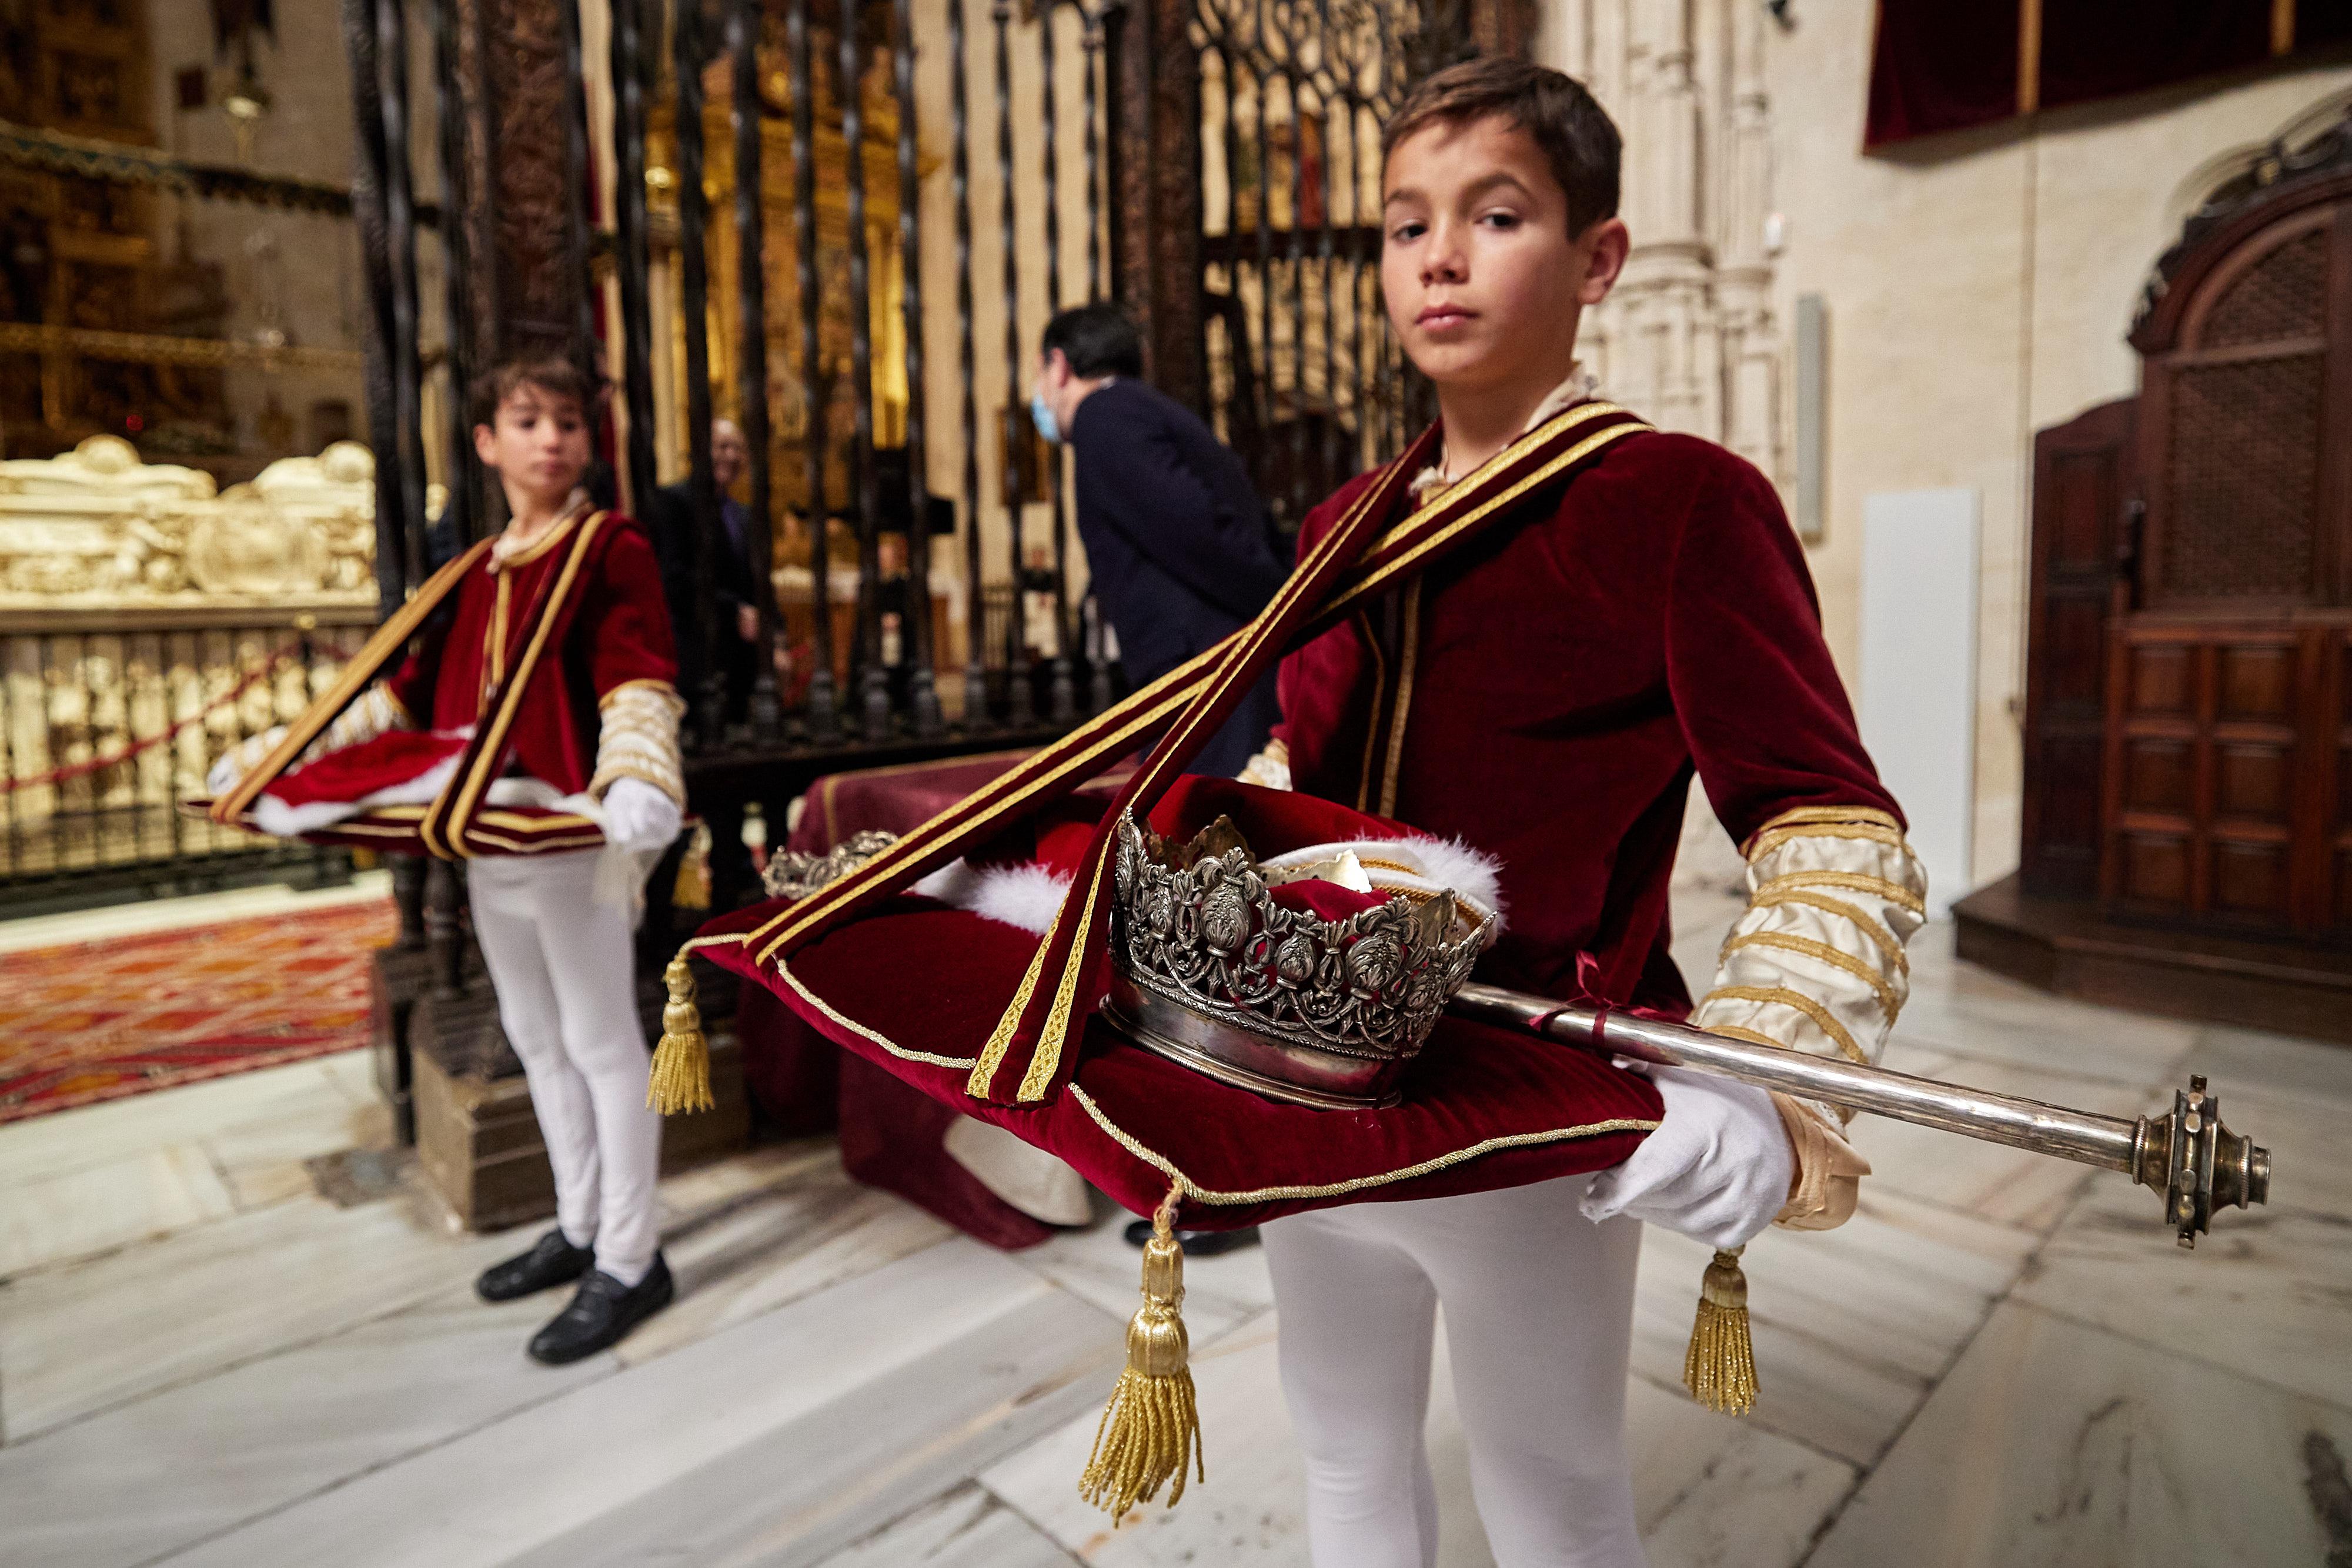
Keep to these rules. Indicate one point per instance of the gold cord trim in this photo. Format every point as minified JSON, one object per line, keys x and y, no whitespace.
{"x":1895,"y":893}
{"x":1782,"y":996}
{"x":1788,"y":942}
{"x":1406,"y":660}
{"x":844,"y":1020}
{"x":1830,"y":814}
{"x":1764,"y":843}
{"x":1200,"y":1194}
{"x":1880,"y":937}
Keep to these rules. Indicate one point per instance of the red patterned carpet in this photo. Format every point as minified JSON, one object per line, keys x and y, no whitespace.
{"x":97,"y":1020}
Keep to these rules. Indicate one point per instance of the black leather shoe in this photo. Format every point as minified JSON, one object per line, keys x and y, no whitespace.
{"x":602,"y":1313}
{"x":551,"y":1261}
{"x":1197,"y":1243}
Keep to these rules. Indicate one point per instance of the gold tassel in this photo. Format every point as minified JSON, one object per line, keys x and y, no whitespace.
{"x":1150,"y":1431}
{"x":681,"y":1074}
{"x":1720,"y":1370}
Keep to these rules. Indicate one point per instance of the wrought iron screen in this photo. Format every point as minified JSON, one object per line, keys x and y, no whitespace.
{"x":1304,"y":379}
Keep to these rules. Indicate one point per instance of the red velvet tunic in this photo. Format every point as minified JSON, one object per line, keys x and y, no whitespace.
{"x":610,"y":627}
{"x":1566,"y":672}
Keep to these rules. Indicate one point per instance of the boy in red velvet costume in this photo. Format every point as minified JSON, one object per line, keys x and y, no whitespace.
{"x":1546,"y":695}
{"x":558,"y":631}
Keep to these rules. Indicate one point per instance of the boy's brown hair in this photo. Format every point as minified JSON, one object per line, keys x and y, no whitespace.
{"x":1577,"y":136}
{"x":552,"y":374}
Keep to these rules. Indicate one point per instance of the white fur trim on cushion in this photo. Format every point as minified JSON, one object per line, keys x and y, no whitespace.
{"x":1022,"y":896}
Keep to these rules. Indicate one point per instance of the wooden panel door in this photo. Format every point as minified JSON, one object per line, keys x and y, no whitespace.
{"x":2224,"y":762}
{"x":2082,"y":482}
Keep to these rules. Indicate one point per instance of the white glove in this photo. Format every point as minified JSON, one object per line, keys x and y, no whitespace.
{"x":1716,"y":1169}
{"x":241,"y":759}
{"x":639,"y":817}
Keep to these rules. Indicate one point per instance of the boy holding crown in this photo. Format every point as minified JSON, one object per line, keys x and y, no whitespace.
{"x":1515,"y":646}
{"x":1545,"y":693}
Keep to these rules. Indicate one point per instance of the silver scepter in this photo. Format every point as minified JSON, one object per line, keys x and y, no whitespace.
{"x":2189,"y":1155}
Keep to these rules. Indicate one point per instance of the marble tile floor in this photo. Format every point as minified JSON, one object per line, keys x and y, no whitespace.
{"x":2001,"y":1361}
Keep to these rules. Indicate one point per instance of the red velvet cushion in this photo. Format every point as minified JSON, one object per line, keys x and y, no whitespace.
{"x":919,"y":978}
{"x":358,"y":771}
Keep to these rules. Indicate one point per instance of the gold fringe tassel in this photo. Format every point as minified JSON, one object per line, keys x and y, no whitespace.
{"x":1150,"y":1431}
{"x":1720,"y":1370}
{"x":681,"y":1074}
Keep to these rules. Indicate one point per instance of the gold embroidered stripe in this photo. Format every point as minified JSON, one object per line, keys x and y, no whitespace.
{"x":1781,"y":996}
{"x":994,"y":802}
{"x":1895,"y":893}
{"x":1009,"y":791}
{"x":1200,"y":1194}
{"x":1765,"y":843}
{"x":1821,"y":952}
{"x":1167,"y":758}
{"x":380,"y":650}
{"x":1880,"y":937}
{"x":1412,"y":555}
{"x":1064,"y":763}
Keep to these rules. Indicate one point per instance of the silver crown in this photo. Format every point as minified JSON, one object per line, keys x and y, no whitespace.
{"x":1208,"y":968}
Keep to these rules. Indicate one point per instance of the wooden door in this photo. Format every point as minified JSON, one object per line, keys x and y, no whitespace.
{"x":2226,"y":687}
{"x":2082,"y":485}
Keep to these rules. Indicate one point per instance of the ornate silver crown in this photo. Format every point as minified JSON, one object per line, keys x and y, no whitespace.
{"x":1209,"y":969}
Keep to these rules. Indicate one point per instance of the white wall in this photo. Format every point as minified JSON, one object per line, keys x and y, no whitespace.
{"x":1979,"y":285}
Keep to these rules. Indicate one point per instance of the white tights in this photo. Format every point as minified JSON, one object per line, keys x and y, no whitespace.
{"x":565,"y":968}
{"x":1539,"y":1325}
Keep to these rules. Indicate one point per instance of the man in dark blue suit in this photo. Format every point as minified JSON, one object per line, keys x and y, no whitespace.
{"x":1177,"y":540}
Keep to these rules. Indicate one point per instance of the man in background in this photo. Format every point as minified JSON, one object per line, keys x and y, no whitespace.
{"x":1176,"y":539}
{"x":670,"y":520}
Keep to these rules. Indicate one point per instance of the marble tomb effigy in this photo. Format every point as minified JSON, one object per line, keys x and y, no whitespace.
{"x":149,"y":621}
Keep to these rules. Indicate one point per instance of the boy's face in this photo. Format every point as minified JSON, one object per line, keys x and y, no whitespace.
{"x":1483,"y":283}
{"x":538,"y":444}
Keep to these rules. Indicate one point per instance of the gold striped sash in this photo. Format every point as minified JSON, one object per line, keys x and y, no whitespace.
{"x":1358,"y":561}
{"x":451,"y":815}
{"x":391,"y":639}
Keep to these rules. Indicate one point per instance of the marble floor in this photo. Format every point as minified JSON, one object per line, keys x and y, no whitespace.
{"x":2002,"y":1361}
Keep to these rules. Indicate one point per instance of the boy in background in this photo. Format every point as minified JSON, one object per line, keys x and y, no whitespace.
{"x":558,"y":624}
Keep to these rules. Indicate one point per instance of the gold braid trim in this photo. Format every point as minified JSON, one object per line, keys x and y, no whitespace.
{"x":1042,"y":1062}
{"x":1771,"y":839}
{"x":1782,"y":996}
{"x":1831,"y":814}
{"x":1880,"y":937}
{"x":1895,"y":893}
{"x":1199,"y":1194}
{"x":1888,"y":1003}
{"x":638,"y":738}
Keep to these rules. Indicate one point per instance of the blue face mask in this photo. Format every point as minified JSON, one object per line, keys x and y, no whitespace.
{"x":1040,"y":414}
